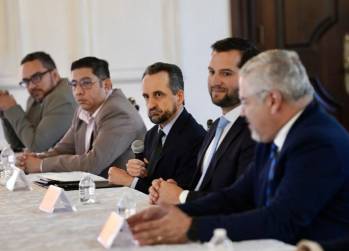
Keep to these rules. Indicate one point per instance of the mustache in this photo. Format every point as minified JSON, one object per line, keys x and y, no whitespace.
{"x":35,"y":89}
{"x":218,"y":88}
{"x":154,"y":110}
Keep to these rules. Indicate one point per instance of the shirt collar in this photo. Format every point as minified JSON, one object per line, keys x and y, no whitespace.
{"x":233,"y":115}
{"x":169,"y":125}
{"x":283,"y":132}
{"x":85,"y":115}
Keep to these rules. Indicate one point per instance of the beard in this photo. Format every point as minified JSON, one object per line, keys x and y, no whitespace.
{"x":228,"y":100}
{"x":160,"y":116}
{"x":37,"y":94}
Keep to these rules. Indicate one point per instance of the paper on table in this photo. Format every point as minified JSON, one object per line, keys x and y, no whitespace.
{"x":69,"y":176}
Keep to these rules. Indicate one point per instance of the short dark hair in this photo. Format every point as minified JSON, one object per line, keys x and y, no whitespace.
{"x":99,"y":67}
{"x":174,"y":72}
{"x":246,"y":48}
{"x":43,"y":57}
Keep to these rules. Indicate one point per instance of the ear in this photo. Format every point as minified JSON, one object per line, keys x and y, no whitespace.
{"x":107,"y":84}
{"x":55,"y":76}
{"x":180,"y":97}
{"x":275,"y":101}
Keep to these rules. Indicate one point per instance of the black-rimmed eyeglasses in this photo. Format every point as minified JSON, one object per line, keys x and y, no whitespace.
{"x":35,"y":78}
{"x":85,"y":83}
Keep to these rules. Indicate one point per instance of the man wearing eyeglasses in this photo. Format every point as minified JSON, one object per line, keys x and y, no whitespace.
{"x":50,"y":106}
{"x":103,"y":127}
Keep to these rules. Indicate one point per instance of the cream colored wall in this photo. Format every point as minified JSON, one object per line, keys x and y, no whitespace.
{"x":130,"y":34}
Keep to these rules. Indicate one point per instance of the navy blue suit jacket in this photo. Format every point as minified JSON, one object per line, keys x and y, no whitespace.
{"x":178,"y":156}
{"x":311,"y":198}
{"x":336,"y":245}
{"x":230,"y":160}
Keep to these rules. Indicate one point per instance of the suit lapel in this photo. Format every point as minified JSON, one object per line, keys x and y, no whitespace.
{"x":206,"y":144}
{"x":202,"y":151}
{"x":232,"y":134}
{"x":229,"y":139}
{"x":80,"y":137}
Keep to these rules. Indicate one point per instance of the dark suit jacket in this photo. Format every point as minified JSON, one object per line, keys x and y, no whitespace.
{"x":229,"y":162}
{"x":336,"y":245}
{"x":178,"y":156}
{"x":311,"y":184}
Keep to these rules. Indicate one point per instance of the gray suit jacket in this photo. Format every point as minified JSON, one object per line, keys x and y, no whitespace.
{"x":117,"y":125}
{"x":43,"y":124}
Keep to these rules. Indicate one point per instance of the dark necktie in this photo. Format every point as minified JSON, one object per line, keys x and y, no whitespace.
{"x":271,"y":173}
{"x":91,"y":141}
{"x":155,"y":156}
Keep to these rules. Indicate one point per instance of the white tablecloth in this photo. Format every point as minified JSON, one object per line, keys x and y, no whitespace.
{"x":24,"y":227}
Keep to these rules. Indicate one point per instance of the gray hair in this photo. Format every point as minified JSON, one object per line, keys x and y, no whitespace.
{"x":281,"y":70}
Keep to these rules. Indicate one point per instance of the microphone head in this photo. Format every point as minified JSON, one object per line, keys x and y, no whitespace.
{"x":137,"y":146}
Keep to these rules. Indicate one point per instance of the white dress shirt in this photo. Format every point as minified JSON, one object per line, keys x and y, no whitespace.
{"x":90,"y":121}
{"x":283,"y":132}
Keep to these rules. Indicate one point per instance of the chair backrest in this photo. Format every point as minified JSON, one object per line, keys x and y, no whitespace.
{"x":209,"y":123}
{"x":133,"y":102}
{"x":325,"y":99}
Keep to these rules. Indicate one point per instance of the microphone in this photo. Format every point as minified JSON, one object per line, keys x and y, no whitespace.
{"x":209,"y":123}
{"x":137,"y":147}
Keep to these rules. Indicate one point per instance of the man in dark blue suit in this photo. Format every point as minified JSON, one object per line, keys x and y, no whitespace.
{"x":170,"y":147}
{"x":222,"y":166}
{"x":298,"y":185}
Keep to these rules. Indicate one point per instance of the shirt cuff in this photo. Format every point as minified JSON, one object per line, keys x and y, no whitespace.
{"x":183,"y":196}
{"x":41,"y":164}
{"x":134,"y":183}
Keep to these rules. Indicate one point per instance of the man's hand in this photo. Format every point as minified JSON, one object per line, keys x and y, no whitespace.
{"x":154,"y":191}
{"x":136,"y":168}
{"x":29,"y":163}
{"x":6,"y":101}
{"x":149,"y":214}
{"x":169,"y":192}
{"x":156,"y":225}
{"x":119,"y":176}
{"x":20,"y":161}
{"x":306,"y":245}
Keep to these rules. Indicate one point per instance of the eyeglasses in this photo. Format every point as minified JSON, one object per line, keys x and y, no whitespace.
{"x":35,"y":78}
{"x":84,"y":83}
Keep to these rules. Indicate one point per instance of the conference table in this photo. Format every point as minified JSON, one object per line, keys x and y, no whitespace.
{"x":24,"y":227}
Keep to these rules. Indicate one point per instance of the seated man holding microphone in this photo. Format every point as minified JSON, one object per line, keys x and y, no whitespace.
{"x":171,"y":146}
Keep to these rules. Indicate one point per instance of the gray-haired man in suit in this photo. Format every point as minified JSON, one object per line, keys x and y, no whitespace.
{"x":103,"y":128}
{"x":50,"y":106}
